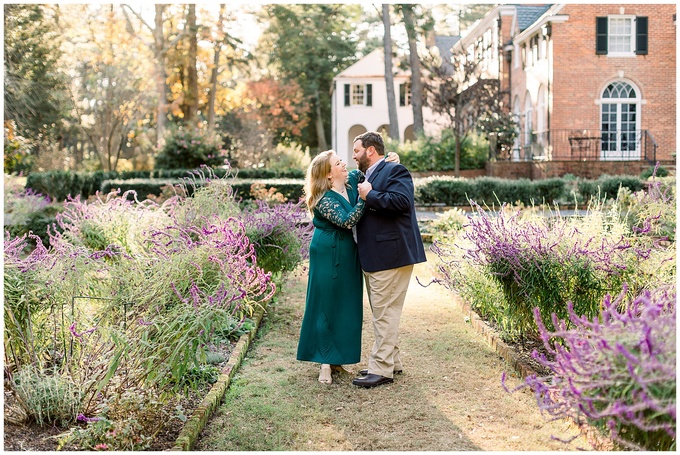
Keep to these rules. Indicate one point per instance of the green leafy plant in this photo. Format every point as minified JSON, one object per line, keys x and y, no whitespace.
{"x":189,"y":149}
{"x":104,"y":434}
{"x":437,"y":154}
{"x":198,"y":376}
{"x":48,"y":398}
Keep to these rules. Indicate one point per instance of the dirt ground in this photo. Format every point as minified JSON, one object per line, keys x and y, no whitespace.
{"x":29,"y":436}
{"x":450,"y":396}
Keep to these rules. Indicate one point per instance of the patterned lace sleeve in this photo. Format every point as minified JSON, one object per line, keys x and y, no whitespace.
{"x":353,"y":177}
{"x":335,"y":212}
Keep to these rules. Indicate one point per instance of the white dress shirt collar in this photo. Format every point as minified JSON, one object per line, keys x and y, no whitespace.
{"x":370,"y":170}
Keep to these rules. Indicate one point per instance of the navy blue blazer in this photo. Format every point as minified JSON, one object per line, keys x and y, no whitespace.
{"x":388,"y":234}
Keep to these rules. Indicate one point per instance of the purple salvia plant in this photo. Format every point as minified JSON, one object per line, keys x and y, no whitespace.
{"x":232,"y":257}
{"x":545,"y":263}
{"x":280,"y":233}
{"x":615,"y":371}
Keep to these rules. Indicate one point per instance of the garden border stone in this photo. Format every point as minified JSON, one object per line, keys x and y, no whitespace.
{"x":494,"y":340}
{"x":599,"y":442}
{"x":199,"y":418}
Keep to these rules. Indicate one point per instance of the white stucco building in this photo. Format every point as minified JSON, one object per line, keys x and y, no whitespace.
{"x":359,"y":104}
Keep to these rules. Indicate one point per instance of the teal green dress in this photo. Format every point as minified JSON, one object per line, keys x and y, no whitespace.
{"x":331,"y":326}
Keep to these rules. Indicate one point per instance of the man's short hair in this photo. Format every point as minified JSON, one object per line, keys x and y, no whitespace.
{"x":371,"y":138}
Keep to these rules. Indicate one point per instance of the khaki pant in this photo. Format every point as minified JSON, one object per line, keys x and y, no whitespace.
{"x":386,"y":293}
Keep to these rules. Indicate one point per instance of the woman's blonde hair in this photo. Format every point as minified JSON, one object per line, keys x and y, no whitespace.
{"x":317,"y":181}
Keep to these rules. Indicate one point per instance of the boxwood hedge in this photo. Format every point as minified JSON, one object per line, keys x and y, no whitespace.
{"x":440,"y":190}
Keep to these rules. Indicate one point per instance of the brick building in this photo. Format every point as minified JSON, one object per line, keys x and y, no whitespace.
{"x":593,"y":87}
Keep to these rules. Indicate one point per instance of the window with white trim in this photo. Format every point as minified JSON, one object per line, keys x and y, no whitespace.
{"x":358,"y":94}
{"x":620,"y":122}
{"x":405,"y":94}
{"x":621,"y":36}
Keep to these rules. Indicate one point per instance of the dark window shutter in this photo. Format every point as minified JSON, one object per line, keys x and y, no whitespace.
{"x":641,"y":26}
{"x":402,"y":94}
{"x":369,"y":94}
{"x":601,"y":35}
{"x":346,"y":94}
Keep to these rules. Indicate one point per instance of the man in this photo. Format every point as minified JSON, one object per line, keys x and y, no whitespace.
{"x":389,"y":245}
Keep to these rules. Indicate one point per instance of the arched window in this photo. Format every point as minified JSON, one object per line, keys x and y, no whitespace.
{"x":620,"y":122}
{"x":409,"y":134}
{"x":353,"y":132}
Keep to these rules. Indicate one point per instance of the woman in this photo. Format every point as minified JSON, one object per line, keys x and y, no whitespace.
{"x":331,"y":326}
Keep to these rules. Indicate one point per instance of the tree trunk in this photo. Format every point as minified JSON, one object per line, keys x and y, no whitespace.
{"x":320,"y":131}
{"x":213,"y":75}
{"x":191,"y":89}
{"x":159,"y":76}
{"x":414,"y":59}
{"x":456,"y":158}
{"x":389,"y":76}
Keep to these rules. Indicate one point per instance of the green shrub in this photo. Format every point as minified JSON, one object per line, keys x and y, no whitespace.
{"x":607,"y":186}
{"x":652,"y":210}
{"x":660,"y":172}
{"x":450,"y":221}
{"x":27,"y":211}
{"x":291,"y":189}
{"x":58,"y":185}
{"x":38,"y":223}
{"x":17,"y":156}
{"x":285,"y":157}
{"x":443,"y":190}
{"x":267,"y":173}
{"x":189,"y":149}
{"x":489,"y":191}
{"x":543,"y":262}
{"x":432,"y":154}
{"x":143,"y":187}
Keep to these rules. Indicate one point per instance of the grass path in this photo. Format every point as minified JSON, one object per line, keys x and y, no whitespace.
{"x":449,"y":398}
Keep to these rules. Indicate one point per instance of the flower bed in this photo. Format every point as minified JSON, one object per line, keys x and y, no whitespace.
{"x":551,"y":278}
{"x":136,"y":301}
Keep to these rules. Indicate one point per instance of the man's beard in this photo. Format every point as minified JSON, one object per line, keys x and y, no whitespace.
{"x":362,"y":163}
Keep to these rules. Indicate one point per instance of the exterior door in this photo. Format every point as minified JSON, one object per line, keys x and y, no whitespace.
{"x":619,"y":123}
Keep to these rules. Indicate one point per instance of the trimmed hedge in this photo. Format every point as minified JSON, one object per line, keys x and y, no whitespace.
{"x":291,"y":189}
{"x":58,"y":185}
{"x":607,"y":185}
{"x":451,"y":191}
{"x":143,"y":187}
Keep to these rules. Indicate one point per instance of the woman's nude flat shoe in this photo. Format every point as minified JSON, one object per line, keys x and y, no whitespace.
{"x":325,"y":374}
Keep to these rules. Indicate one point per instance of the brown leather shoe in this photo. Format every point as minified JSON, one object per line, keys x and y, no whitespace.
{"x":365,"y":372}
{"x":372,"y":380}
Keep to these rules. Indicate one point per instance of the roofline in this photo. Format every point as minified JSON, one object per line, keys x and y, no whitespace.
{"x":489,"y":17}
{"x":549,"y":16}
{"x":375,"y":76}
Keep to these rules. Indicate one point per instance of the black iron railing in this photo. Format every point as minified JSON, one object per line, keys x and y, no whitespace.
{"x":586,"y":145}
